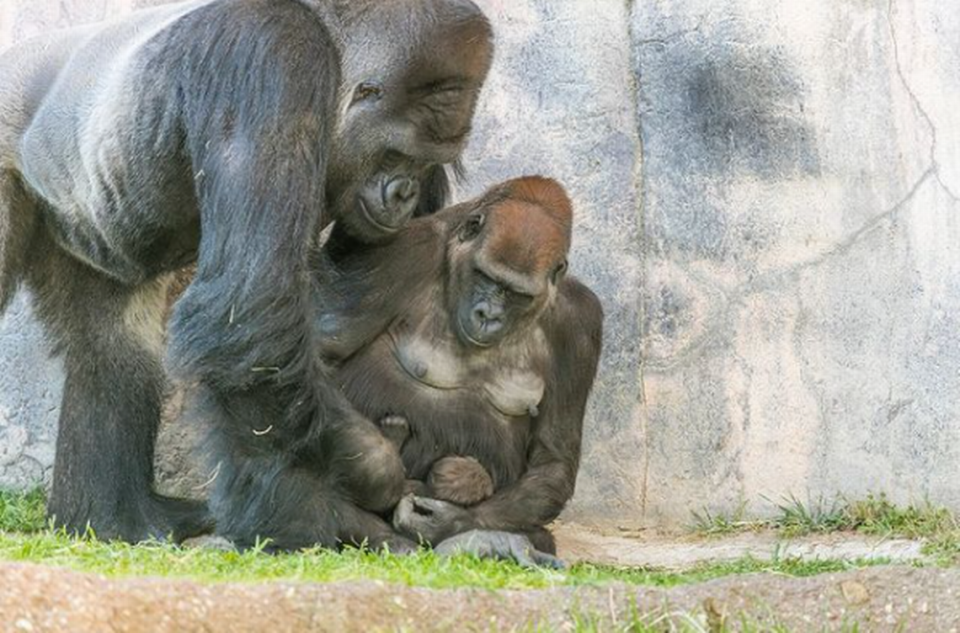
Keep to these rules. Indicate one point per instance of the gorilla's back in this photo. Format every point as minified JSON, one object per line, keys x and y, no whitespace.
{"x":94,"y":135}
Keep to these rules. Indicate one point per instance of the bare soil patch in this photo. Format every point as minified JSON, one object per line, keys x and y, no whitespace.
{"x":35,"y":598}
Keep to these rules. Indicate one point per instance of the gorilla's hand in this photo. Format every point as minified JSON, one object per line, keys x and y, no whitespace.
{"x":431,"y":520}
{"x":500,"y":545}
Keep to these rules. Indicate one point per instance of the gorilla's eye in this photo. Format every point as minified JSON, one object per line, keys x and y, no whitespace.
{"x":558,"y":271}
{"x":471,"y":228}
{"x":368,"y":90}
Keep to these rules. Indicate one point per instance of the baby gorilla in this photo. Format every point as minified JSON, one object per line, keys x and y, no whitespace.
{"x":465,"y":337}
{"x":460,"y":480}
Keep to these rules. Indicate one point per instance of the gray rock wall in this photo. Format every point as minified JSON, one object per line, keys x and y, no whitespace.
{"x":767,"y":199}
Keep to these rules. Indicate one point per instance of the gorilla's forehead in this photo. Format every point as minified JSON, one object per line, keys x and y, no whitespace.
{"x":427,"y":37}
{"x":525,"y":237}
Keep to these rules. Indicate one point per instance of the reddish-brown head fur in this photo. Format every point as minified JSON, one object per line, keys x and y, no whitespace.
{"x":530,"y":225}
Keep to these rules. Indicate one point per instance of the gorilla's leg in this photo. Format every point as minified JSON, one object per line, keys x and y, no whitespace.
{"x":111,"y":339}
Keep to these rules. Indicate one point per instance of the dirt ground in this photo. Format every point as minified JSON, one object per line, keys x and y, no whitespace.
{"x":899,"y":597}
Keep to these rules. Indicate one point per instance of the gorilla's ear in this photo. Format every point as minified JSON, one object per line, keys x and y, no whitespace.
{"x":434,"y":191}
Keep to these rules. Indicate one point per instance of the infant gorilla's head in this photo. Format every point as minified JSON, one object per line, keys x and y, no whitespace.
{"x":460,"y":480}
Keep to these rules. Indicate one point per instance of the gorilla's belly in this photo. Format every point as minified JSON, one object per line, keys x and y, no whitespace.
{"x":452,"y":418}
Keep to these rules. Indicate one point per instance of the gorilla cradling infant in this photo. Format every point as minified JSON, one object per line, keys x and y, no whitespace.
{"x":467,"y":340}
{"x":226,"y":133}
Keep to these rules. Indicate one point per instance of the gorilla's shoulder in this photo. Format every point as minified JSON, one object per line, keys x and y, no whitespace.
{"x":579,"y":311}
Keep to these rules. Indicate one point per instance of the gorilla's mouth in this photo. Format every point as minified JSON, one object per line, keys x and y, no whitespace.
{"x":465,"y":335}
{"x":371,"y":218}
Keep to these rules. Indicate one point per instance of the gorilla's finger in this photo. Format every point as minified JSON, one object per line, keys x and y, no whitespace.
{"x":403,"y":511}
{"x":426,"y":505}
{"x":399,"y":546}
{"x":521,"y":557}
{"x":550,"y":561}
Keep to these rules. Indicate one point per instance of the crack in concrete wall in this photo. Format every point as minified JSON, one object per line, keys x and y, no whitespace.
{"x":891,"y":7}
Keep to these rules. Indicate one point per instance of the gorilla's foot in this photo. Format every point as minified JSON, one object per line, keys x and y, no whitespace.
{"x":396,"y":545}
{"x":499,"y":545}
{"x":154,"y":518}
{"x":178,"y":519}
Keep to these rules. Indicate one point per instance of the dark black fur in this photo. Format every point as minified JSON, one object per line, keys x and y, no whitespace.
{"x":375,"y":291}
{"x":226,"y":133}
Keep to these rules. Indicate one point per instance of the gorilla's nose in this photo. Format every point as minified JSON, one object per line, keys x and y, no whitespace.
{"x":400,"y":196}
{"x":488,"y":317}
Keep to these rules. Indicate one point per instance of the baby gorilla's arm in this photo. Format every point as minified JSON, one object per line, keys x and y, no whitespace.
{"x":396,"y":429}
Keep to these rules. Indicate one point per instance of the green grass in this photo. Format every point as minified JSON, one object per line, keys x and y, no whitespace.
{"x":22,"y":511}
{"x":817,"y":516}
{"x":875,"y":515}
{"x":25,"y":536}
{"x":713,"y":523}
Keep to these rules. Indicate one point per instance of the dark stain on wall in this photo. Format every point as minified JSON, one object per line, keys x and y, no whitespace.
{"x":717,"y":109}
{"x":747,"y":112}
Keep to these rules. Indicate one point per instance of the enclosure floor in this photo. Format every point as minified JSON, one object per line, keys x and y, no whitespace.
{"x":40,"y":598}
{"x":36,"y":598}
{"x":648,"y":548}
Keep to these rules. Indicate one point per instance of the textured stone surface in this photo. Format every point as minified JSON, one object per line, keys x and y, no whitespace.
{"x":800,"y":235}
{"x":767,"y":198}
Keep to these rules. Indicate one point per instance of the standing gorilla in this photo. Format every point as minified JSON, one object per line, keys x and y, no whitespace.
{"x":226,"y":132}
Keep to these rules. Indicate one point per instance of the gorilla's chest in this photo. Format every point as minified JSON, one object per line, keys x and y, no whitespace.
{"x":508,"y":380}
{"x":481,"y":406}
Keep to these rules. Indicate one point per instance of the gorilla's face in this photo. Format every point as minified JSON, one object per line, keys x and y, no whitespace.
{"x":505,"y":257}
{"x":412,"y":75}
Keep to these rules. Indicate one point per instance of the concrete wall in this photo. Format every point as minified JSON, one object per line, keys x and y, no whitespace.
{"x":767,"y":198}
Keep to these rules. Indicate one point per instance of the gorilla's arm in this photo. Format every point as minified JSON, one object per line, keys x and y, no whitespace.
{"x":574,"y":332}
{"x":359,"y":289}
{"x":244,"y":328}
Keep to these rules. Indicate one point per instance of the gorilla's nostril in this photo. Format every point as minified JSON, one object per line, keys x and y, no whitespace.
{"x":487,"y":319}
{"x":399,"y":191}
{"x":481,"y":313}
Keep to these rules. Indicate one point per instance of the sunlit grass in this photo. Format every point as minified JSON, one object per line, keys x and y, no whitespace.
{"x":875,"y":515}
{"x":25,"y":536}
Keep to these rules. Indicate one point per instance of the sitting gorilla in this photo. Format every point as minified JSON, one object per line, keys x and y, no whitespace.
{"x":467,"y":340}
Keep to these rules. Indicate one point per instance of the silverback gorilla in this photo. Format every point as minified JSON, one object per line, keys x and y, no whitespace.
{"x":226,"y":133}
{"x":466,"y":338}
